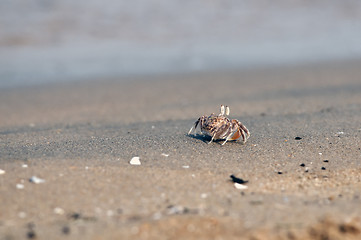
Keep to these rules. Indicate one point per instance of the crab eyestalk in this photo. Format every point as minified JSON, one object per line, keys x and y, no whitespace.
{"x":227,"y":110}
{"x":221,"y":111}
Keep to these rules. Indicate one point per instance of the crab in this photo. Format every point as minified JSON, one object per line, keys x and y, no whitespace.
{"x":220,"y":127}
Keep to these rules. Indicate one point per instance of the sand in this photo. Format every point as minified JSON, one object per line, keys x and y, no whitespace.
{"x":302,"y":161}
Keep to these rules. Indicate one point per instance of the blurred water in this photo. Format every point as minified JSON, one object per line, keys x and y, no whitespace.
{"x":63,"y":40}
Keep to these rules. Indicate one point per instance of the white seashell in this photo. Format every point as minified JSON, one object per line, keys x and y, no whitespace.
{"x":59,"y":211}
{"x":22,"y":214}
{"x":135,"y":161}
{"x":36,"y":180}
{"x":185,"y":166}
{"x":165,"y":155}
{"x":240,"y":186}
{"x":2,"y":171}
{"x":20,"y":186}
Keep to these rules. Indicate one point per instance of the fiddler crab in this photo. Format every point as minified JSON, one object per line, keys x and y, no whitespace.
{"x":220,"y":127}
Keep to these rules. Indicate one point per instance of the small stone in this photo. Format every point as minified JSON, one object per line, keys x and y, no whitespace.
{"x":110,"y":213}
{"x":325,"y":160}
{"x":240,"y":186}
{"x":2,"y":171}
{"x":320,"y":154}
{"x":185,"y":166}
{"x":298,"y":138}
{"x":323,"y":168}
{"x":302,"y":165}
{"x":20,"y":186}
{"x":306,"y":169}
{"x":238,"y":180}
{"x":36,"y":180}
{"x":135,"y":161}
{"x":175,"y":209}
{"x":59,"y":211}
{"x":22,"y":214}
{"x":24,"y":165}
{"x":31,"y":234}
{"x":75,"y":216}
{"x":65,"y":230}
{"x":280,"y":172}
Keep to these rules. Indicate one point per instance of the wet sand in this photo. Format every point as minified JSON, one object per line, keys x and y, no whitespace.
{"x":80,"y":137}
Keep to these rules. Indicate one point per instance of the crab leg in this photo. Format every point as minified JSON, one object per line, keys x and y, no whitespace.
{"x":194,"y":126}
{"x":243,"y":135}
{"x":229,"y":136}
{"x":245,"y":130}
{"x":212,"y":138}
{"x":190,"y":130}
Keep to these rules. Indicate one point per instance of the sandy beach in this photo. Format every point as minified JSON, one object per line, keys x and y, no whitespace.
{"x":302,"y":161}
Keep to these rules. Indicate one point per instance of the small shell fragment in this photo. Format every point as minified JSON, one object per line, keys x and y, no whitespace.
{"x":204,"y":195}
{"x":59,"y":211}
{"x":22,"y":214}
{"x":178,"y":209}
{"x":135,"y":161}
{"x":2,"y":171}
{"x":240,"y":186}
{"x":20,"y":186}
{"x":36,"y":180}
{"x":165,"y":155}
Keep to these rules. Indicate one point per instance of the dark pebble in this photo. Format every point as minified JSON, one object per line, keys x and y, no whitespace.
{"x":238,"y":180}
{"x":280,"y":172}
{"x":75,"y":216}
{"x":65,"y":230}
{"x":323,"y":168}
{"x":302,"y":165}
{"x":325,"y":160}
{"x":298,"y":138}
{"x":31,"y":226}
{"x":190,"y":211}
{"x":31,"y":235}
